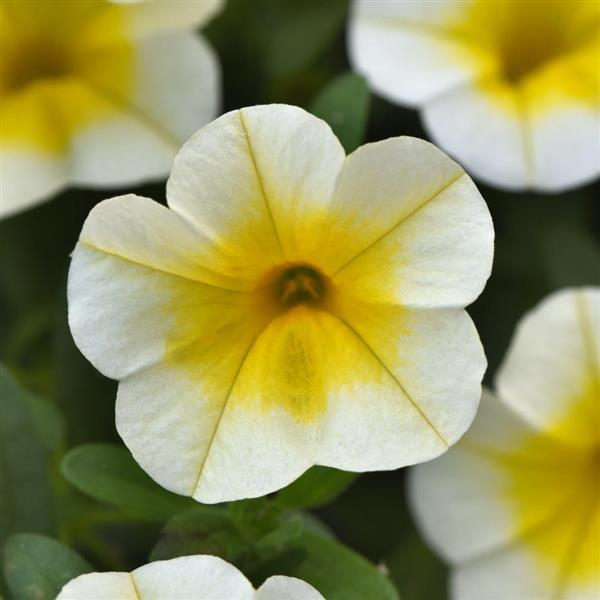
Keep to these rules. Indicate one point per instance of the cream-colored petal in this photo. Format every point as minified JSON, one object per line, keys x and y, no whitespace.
{"x":172,"y":85}
{"x":146,"y":18}
{"x":483,"y":125}
{"x":191,"y":577}
{"x":280,"y":587}
{"x":133,"y":295}
{"x":550,"y":375}
{"x":413,"y":390}
{"x":99,"y":586}
{"x":563,"y":104}
{"x":501,"y":482}
{"x":559,"y":560}
{"x":407,"y":226}
{"x":27,"y":178}
{"x":410,"y":51}
{"x":257,"y":181}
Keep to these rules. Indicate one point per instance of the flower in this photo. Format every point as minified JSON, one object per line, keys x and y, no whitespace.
{"x":192,"y":577}
{"x":509,"y":87}
{"x":292,"y":307}
{"x":515,"y":506}
{"x":98,"y":93}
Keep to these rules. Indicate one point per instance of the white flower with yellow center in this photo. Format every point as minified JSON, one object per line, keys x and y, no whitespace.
{"x":515,"y":505}
{"x":199,"y":577}
{"x":292,"y":306}
{"x":98,"y":93}
{"x":511,"y":88}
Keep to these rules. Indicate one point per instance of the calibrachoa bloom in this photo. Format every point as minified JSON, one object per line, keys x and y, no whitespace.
{"x":98,"y":92}
{"x":515,"y":506}
{"x":292,"y":306}
{"x":509,"y":87}
{"x":188,"y":577}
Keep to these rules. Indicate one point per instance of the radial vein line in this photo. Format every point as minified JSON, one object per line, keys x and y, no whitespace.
{"x":260,"y":181}
{"x":135,"y":588}
{"x":153,"y":268}
{"x":396,"y":380}
{"x":224,"y":406}
{"x":396,"y":225}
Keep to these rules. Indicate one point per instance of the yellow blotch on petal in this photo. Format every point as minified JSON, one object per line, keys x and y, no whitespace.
{"x":50,"y":69}
{"x":546,"y":52}
{"x":553,"y":491}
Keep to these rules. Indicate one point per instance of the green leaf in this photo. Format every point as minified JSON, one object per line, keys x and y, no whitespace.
{"x":36,"y":567}
{"x":304,"y":29}
{"x":416,"y":571}
{"x":26,"y":502}
{"x":318,"y":486}
{"x":344,"y":104}
{"x":108,"y":473}
{"x":47,"y":422}
{"x":571,"y":256}
{"x":201,"y":530}
{"x":338,"y":572}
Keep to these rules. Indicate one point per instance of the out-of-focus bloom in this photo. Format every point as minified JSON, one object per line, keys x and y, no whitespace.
{"x":98,"y":93}
{"x":515,"y":505}
{"x":294,"y":306}
{"x":188,"y":577}
{"x":509,"y":87}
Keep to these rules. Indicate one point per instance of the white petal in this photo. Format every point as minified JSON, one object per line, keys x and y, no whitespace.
{"x":565,"y":146}
{"x":408,"y":50}
{"x":420,"y":397}
{"x":27,"y":178}
{"x":280,"y":587}
{"x":271,"y":168}
{"x":474,"y":514}
{"x":550,"y":373}
{"x":407,"y":226}
{"x":124,"y":276}
{"x":483,"y":126}
{"x":99,"y":586}
{"x":191,"y":577}
{"x":148,"y":17}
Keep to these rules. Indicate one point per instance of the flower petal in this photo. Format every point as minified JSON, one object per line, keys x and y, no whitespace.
{"x":280,"y":587}
{"x":563,"y":103}
{"x":550,"y":375}
{"x":191,"y":577}
{"x":413,"y":385}
{"x":128,"y":283}
{"x":407,"y":226}
{"x":501,"y":482}
{"x":410,"y":51}
{"x":256,"y":181}
{"x":484,"y":127}
{"x":99,"y":586}
{"x":148,"y":18}
{"x":172,"y":86}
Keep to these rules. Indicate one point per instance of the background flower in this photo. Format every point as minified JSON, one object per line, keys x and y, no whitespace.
{"x":511,"y":88}
{"x":192,"y":577}
{"x":293,"y":307}
{"x":98,"y":93}
{"x":515,"y":507}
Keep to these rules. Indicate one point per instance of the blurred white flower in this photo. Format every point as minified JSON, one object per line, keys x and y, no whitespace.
{"x":515,"y":505}
{"x":188,"y":577}
{"x":511,"y":88}
{"x":98,"y":93}
{"x":292,"y":306}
